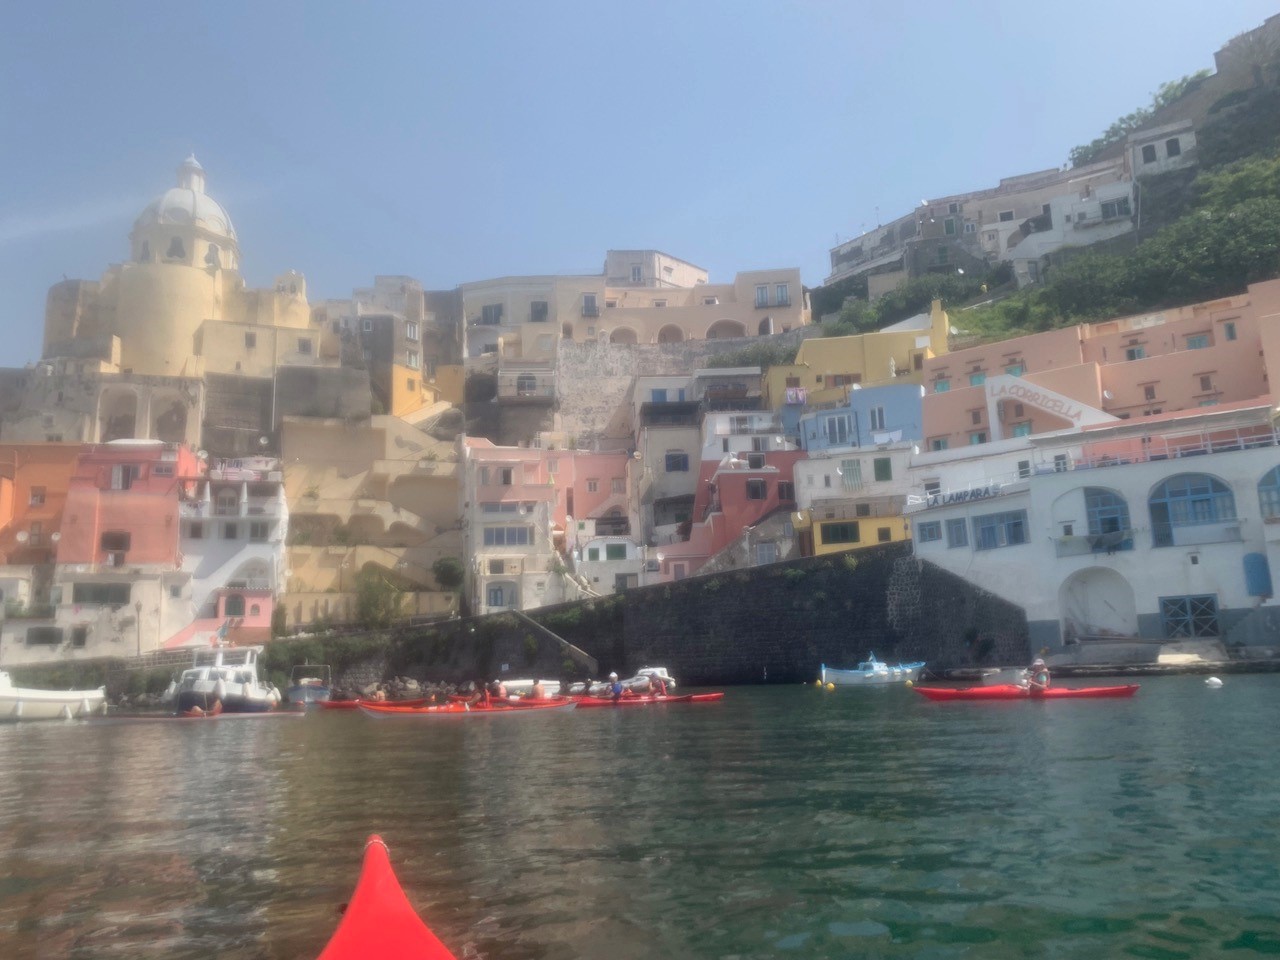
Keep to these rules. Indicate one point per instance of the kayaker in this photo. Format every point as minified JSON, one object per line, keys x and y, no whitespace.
{"x":615,"y":687}
{"x":1038,"y":676}
{"x":657,"y":686}
{"x":538,"y":691}
{"x":498,"y":690}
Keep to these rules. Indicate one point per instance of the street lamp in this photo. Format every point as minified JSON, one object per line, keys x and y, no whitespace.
{"x":137,"y":609}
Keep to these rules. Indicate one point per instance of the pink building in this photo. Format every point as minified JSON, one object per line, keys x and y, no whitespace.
{"x":1180,"y":358}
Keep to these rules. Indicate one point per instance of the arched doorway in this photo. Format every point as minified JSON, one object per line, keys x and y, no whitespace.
{"x":623,"y":335}
{"x":726,"y":329}
{"x":169,"y":419}
{"x":118,"y":416}
{"x":1097,"y":602}
{"x":766,"y":327}
{"x":566,"y":331}
{"x":670,"y":334}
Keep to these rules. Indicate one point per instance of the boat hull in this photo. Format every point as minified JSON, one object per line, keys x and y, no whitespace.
{"x":591,"y":702}
{"x":869,"y":678}
{"x":354,"y":704}
{"x":231,"y":703}
{"x":307,"y":694}
{"x":379,"y":921}
{"x":1011,"y":692}
{"x":19,"y":703}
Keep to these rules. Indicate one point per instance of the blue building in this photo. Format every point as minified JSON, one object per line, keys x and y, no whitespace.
{"x":875,"y":415}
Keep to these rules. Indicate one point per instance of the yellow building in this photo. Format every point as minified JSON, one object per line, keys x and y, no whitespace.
{"x":826,"y":368}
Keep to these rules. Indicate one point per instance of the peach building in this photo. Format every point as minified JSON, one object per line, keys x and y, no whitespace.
{"x":1179,"y":358}
{"x":33,"y":490}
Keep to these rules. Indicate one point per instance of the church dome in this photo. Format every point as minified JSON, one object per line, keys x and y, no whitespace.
{"x":187,"y":205}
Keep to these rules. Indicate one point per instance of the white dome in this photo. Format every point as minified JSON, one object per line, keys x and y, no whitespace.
{"x":188,"y":204}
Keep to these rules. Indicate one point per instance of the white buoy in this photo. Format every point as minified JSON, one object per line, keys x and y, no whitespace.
{"x":1213,"y":682}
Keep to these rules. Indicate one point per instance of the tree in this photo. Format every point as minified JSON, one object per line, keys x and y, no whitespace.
{"x":449,"y":572}
{"x":377,"y":599}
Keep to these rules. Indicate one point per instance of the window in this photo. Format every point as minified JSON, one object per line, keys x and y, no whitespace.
{"x":162,"y":470}
{"x":929,"y":531}
{"x":123,"y":475}
{"x":590,"y":308}
{"x":79,"y":636}
{"x":1006,"y":216}
{"x":495,"y":596}
{"x":851,"y":473}
{"x":176,"y":250}
{"x":113,"y":540}
{"x":1269,"y":494}
{"x":953,"y":208}
{"x":836,"y":430}
{"x":507,"y":536}
{"x":883,"y":467}
{"x":1173,"y":147}
{"x":862,"y":509}
{"x":1022,"y":429}
{"x":1108,"y":515}
{"x":175,"y":591}
{"x":1185,"y":500}
{"x":615,"y":551}
{"x":755,"y":461}
{"x":593,"y":554}
{"x":1149,"y":391}
{"x":932,"y":488}
{"x":37,"y":497}
{"x":258,"y":531}
{"x":1134,"y":353}
{"x":618,"y":485}
{"x":230,"y":531}
{"x":994,"y":530}
{"x":411,"y":359}
{"x":757,"y":489}
{"x":1206,"y":383}
{"x":762,"y":295}
{"x":970,"y":228}
{"x":884,"y":534}
{"x":941,"y":386}
{"x":957,"y":533}
{"x":846,"y":532}
{"x":108,"y":594}
{"x":941,"y":255}
{"x":1184,"y":617}
{"x":782,"y":294}
{"x":677,"y":461}
{"x":367,"y":326}
{"x":196,"y":531}
{"x":1149,"y":153}
{"x":1198,"y":341}
{"x":538,"y":311}
{"x":44,"y":636}
{"x":977,"y":379}
{"x":793,"y":382}
{"x":491,"y":314}
{"x":766,"y":553}
{"x":659,"y":303}
{"x":939,"y":443}
{"x":876,"y":418}
{"x":949,"y":226}
{"x":506,"y":476}
{"x":975,"y":416}
{"x":1229,"y":330}
{"x":786,"y":490}
{"x":679,"y":571}
{"x":593,"y":486}
{"x":1111,"y":209}
{"x":637,"y":274}
{"x":1060,"y":463}
{"x":304,"y":346}
{"x":978,"y":436}
{"x":1015,"y":369}
{"x":710,"y":301}
{"x":410,"y":330}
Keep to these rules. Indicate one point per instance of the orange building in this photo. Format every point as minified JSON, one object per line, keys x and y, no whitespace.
{"x":33,"y":490}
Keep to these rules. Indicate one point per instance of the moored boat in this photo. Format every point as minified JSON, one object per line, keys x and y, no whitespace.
{"x":353,"y":704}
{"x":309,"y":683}
{"x":379,"y":921}
{"x":641,"y":683}
{"x":871,"y":672}
{"x":28,"y":703}
{"x":648,"y":701}
{"x":1014,"y":692}
{"x":228,"y":675}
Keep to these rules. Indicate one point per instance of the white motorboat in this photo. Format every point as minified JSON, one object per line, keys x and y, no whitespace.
{"x":870,"y":672}
{"x":521,"y":688}
{"x":24,"y":703}
{"x":228,"y":675}
{"x":640,"y":683}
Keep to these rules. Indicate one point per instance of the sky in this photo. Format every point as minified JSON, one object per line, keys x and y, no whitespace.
{"x":463,"y":141}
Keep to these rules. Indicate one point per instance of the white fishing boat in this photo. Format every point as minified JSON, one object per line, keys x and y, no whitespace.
{"x":224,"y":674}
{"x":641,"y":683}
{"x":24,"y":703}
{"x":870,"y":672}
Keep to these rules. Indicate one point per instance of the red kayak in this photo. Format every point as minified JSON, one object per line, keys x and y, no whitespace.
{"x":353,"y":704}
{"x":1014,"y":692}
{"x":381,"y":710}
{"x":379,"y":920}
{"x":646,"y":701}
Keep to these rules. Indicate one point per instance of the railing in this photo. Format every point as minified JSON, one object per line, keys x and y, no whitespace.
{"x":1089,"y":544}
{"x":1195,"y":534}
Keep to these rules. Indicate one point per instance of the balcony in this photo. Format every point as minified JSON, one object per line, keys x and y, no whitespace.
{"x":526,"y":388}
{"x":590,"y":310}
{"x":1093,"y":544}
{"x":1197,"y":534}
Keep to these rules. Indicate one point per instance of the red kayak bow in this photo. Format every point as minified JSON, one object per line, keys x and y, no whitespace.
{"x":380,"y":921}
{"x":1014,"y":692}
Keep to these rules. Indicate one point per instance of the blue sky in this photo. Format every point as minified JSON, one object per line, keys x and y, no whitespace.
{"x":457,"y":142}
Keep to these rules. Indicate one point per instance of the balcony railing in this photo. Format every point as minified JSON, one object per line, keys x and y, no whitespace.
{"x":1090,"y":544}
{"x":1197,"y":534}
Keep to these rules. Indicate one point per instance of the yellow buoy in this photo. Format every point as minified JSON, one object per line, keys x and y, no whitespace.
{"x":817,"y":683}
{"x":831,"y":686}
{"x":910,"y":683}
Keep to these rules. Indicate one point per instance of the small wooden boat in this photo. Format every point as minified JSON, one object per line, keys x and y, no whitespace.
{"x":26,"y":703}
{"x":870,"y":672}
{"x":1014,"y":692}
{"x":379,"y":921}
{"x":649,"y":701}
{"x":309,"y":683}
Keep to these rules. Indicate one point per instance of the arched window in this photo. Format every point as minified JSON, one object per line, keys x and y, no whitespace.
{"x":1187,"y":500}
{"x":235,"y":605}
{"x":1108,"y":520}
{"x":1269,"y":493}
{"x":145,"y":255}
{"x":176,"y":250}
{"x":211,"y":256}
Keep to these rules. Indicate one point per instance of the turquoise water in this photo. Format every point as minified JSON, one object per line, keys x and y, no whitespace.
{"x":783,"y":822}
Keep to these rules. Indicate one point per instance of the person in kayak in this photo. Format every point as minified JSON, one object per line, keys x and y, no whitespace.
{"x":615,"y":687}
{"x":657,"y":687}
{"x":538,"y":691}
{"x":1038,"y":678}
{"x":498,"y":690}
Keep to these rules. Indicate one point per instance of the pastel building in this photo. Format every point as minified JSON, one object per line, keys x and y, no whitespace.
{"x":34,"y":478}
{"x":852,"y":497}
{"x":1117,"y":534}
{"x":1175,"y":359}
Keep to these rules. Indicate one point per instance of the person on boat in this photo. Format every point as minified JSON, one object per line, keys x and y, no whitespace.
{"x":498,"y":690}
{"x":538,"y":691}
{"x":657,"y":686}
{"x":1038,"y":678}
{"x":615,"y":687}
